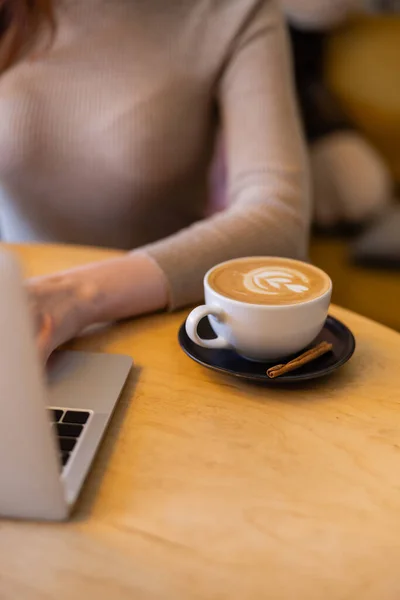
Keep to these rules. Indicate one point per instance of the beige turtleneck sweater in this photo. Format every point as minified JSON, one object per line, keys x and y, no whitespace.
{"x":106,"y":137}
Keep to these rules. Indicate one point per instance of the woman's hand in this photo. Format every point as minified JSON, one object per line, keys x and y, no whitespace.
{"x":60,"y":307}
{"x":64,"y":304}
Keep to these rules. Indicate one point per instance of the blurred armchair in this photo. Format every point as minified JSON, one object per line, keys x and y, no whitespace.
{"x":362,"y":69}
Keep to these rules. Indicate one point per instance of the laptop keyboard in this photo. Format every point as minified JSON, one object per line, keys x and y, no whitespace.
{"x":68,"y":426}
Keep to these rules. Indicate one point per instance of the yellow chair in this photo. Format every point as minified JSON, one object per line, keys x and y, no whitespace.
{"x":363,"y":71}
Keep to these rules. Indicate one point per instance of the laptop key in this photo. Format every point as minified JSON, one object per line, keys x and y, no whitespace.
{"x":55,"y":415}
{"x":64,"y":458}
{"x":66,"y":430}
{"x":67,"y":444}
{"x":74,"y":416}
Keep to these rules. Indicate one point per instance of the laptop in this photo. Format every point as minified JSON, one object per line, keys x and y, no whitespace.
{"x":51,"y":421}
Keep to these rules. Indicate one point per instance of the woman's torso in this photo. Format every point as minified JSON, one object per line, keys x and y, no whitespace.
{"x":106,"y":138}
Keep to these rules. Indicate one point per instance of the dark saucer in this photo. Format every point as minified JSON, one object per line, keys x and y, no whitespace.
{"x":227,"y":361}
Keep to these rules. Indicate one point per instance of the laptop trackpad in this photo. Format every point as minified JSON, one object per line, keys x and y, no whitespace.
{"x":86,"y":380}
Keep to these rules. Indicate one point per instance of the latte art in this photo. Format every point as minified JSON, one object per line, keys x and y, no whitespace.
{"x":275,"y":281}
{"x":271,"y":281}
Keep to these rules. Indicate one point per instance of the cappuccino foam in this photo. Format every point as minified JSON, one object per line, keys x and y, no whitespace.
{"x":270,"y":281}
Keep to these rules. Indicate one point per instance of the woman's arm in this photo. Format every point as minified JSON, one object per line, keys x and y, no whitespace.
{"x":268,"y":186}
{"x":66,"y":303}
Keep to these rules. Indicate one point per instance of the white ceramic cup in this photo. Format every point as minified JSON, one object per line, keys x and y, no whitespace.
{"x":258,"y":331}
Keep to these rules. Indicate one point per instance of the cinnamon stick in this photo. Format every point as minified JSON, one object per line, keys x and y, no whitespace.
{"x":300,"y":361}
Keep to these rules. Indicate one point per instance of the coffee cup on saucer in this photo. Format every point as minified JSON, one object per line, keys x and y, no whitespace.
{"x":264,"y":308}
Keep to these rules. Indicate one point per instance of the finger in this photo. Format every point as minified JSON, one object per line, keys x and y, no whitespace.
{"x":44,"y":336}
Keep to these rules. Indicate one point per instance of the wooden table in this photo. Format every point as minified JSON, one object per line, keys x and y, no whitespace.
{"x":209,"y":489}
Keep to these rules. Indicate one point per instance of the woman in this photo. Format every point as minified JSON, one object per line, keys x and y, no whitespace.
{"x":108,"y":114}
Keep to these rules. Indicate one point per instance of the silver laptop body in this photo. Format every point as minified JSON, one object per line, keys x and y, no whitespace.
{"x":51,"y":424}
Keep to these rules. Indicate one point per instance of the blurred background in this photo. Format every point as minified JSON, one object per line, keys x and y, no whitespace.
{"x":361,"y":69}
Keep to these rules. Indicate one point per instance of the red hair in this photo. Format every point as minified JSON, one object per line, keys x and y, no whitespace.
{"x":19,"y":22}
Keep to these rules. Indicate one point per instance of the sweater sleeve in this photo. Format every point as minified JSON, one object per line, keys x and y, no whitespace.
{"x":268,"y":187}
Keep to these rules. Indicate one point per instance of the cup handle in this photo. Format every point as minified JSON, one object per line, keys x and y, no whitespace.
{"x":192,"y":323}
